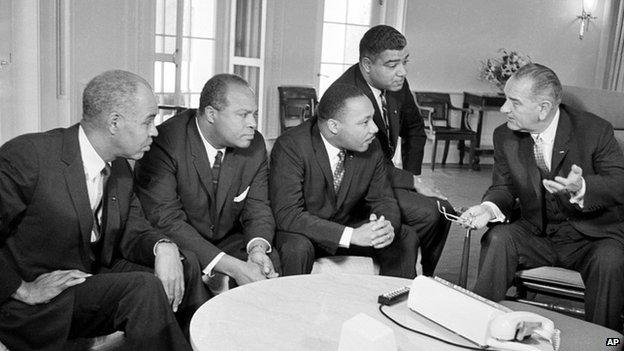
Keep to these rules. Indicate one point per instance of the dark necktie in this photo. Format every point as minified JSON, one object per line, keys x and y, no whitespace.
{"x":384,"y":113}
{"x":538,"y":153}
{"x":97,"y":222}
{"x":216,"y":169}
{"x":340,"y":170}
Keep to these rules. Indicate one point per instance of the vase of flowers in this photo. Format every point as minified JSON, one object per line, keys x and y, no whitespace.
{"x":497,"y":70}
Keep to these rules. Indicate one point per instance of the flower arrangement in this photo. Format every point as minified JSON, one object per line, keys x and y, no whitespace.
{"x":498,"y":69}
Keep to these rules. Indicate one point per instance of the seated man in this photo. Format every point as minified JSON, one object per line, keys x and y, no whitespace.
{"x":68,"y":213}
{"x":381,"y":75}
{"x":205,"y":182}
{"x":330,"y":192}
{"x":567,"y":170}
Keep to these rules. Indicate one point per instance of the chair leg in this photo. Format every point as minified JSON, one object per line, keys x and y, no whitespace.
{"x":433,"y":153}
{"x":472,"y":154}
{"x":446,"y":147}
{"x":461,"y":145}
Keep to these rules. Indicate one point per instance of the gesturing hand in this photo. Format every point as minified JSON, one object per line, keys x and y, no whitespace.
{"x":571,"y":184}
{"x":48,"y":285}
{"x":169,"y":269}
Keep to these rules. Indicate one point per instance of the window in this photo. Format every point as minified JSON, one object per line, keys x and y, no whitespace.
{"x":185,"y":50}
{"x":344,"y":24}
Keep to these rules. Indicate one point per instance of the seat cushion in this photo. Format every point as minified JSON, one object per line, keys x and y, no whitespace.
{"x":553,"y":275}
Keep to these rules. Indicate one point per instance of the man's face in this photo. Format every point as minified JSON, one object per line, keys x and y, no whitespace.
{"x":388,"y":70}
{"x":234,"y":125}
{"x":523,"y":114}
{"x":356,"y":129}
{"x":136,"y":125}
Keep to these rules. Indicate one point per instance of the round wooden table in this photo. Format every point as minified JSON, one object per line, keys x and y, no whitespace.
{"x":307,"y":312}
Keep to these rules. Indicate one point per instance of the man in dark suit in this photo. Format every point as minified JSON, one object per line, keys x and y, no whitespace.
{"x":567,"y":170}
{"x":68,"y":214}
{"x":381,"y":75}
{"x":330,"y":192}
{"x":205,"y":182}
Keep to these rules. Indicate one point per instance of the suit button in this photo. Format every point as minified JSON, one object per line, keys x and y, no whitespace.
{"x":212,"y":227}
{"x":114,"y":198}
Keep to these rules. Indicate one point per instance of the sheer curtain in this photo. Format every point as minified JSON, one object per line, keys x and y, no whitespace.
{"x":615,"y":69}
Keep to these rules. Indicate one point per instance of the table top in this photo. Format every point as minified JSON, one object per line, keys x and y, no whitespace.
{"x":307,"y":312}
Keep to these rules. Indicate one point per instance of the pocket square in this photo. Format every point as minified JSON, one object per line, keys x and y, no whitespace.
{"x":242,"y":196}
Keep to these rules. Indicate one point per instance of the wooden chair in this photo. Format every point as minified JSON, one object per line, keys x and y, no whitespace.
{"x":297,"y":104}
{"x":437,"y":107}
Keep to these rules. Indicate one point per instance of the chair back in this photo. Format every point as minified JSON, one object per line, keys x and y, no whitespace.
{"x":297,"y":104}
{"x":439,"y":102}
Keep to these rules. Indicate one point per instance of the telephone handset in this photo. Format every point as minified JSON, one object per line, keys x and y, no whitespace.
{"x":508,"y":328}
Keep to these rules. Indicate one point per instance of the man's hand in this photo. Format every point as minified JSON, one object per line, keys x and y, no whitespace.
{"x":478,"y":216}
{"x":47,"y":286}
{"x":258,"y":256}
{"x":569,"y":185}
{"x":248,"y":272}
{"x":377,"y":233}
{"x":426,"y":190}
{"x":169,"y":269}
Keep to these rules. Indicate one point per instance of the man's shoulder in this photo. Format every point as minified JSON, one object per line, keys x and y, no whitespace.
{"x":48,"y":141}
{"x":350,"y":76}
{"x":584,"y":120}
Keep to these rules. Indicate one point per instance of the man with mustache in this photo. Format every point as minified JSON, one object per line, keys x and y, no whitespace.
{"x":205,"y":182}
{"x":75,"y":245}
{"x":330,"y":192}
{"x":567,"y":171}
{"x":381,"y":75}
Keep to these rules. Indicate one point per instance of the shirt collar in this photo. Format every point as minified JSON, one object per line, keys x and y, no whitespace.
{"x":549,"y":134}
{"x":91,"y":160}
{"x":376,"y":92}
{"x":210,"y":150}
{"x":332,"y":151}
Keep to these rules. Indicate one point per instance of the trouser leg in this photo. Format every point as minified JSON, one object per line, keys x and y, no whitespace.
{"x":296,"y":252}
{"x":399,"y":258}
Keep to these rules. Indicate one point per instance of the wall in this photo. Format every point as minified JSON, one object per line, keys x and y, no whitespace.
{"x":448,"y":39}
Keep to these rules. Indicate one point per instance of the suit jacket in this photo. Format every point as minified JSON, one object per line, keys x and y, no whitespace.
{"x":174,"y":181}
{"x":582,"y":139}
{"x":302,"y":191}
{"x":405,"y":121}
{"x":46,"y":217}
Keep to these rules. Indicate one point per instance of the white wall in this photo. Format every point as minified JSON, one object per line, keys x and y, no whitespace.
{"x":448,"y":39}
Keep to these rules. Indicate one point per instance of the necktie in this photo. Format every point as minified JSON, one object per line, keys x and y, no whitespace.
{"x":97,"y":213}
{"x":339,"y":172}
{"x":384,"y":113}
{"x":538,"y":153}
{"x":216,"y":169}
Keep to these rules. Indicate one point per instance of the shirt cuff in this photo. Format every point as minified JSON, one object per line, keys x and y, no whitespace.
{"x":250,"y":246}
{"x":579,"y":197}
{"x":345,"y":239}
{"x":162,"y":241}
{"x":208,"y":270}
{"x":498,"y":215}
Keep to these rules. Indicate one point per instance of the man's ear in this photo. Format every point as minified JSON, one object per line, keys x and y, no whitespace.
{"x":333,"y":125}
{"x":210,"y":112}
{"x":366,"y":63}
{"x":544,"y":109}
{"x":113,"y":121}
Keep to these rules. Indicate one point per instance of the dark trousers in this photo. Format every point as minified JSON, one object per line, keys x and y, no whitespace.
{"x":133,"y":302}
{"x":421,"y":214}
{"x":507,"y":248}
{"x":195,"y":292}
{"x":397,"y":259}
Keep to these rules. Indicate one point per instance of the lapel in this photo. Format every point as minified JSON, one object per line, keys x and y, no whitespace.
{"x":528,"y":160}
{"x":561,"y":145}
{"x":76,"y":184}
{"x":350,"y":165}
{"x":200,"y":158}
{"x":229,"y":166}
{"x":322,"y":159}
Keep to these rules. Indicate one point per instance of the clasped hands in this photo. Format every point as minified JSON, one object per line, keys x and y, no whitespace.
{"x":378,"y":233}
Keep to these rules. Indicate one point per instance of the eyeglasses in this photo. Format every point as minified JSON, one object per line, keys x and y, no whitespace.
{"x":453,"y":218}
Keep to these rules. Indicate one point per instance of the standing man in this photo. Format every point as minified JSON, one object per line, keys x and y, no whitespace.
{"x":380,"y":74}
{"x":567,"y":170}
{"x":330,"y":192}
{"x":205,"y":182}
{"x":68,"y":213}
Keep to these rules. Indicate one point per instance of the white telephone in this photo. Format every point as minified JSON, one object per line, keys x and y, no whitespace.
{"x":510,"y":327}
{"x":479,"y":320}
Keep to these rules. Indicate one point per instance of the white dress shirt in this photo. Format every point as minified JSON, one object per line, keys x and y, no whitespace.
{"x":332,"y":152}
{"x":212,"y":154}
{"x":93,"y":165}
{"x":547,"y":141}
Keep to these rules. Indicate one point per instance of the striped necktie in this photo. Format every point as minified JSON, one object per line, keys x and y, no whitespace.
{"x":216,"y":169}
{"x":538,"y":153}
{"x":97,"y":213}
{"x":384,"y":113}
{"x":340,"y":170}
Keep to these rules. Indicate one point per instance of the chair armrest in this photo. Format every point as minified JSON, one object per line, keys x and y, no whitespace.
{"x":467,"y":110}
{"x":429,"y":111}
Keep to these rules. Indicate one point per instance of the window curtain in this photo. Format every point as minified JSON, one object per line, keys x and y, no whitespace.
{"x":615,"y":69}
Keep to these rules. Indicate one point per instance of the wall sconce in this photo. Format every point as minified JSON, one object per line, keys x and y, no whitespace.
{"x":586,"y":16}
